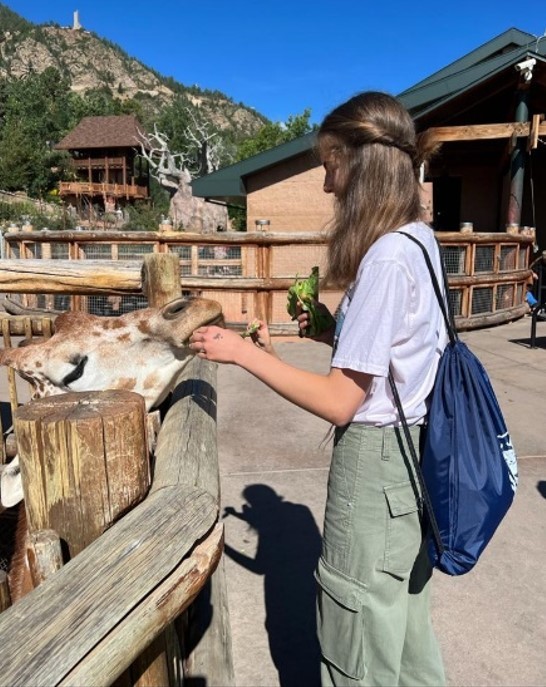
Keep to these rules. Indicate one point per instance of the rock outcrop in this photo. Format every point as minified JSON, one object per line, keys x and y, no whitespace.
{"x":196,"y":214}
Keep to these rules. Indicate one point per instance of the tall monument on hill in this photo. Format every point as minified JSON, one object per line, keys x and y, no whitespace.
{"x":76,"y":25}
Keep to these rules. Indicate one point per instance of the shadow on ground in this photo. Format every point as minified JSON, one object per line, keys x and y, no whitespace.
{"x":286,"y":555}
{"x":540,"y":342}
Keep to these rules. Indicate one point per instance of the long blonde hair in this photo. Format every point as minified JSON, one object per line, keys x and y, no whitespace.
{"x":373,"y":140}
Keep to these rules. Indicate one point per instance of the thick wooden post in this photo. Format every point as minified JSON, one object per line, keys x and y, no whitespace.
{"x":161,"y":278}
{"x":204,"y":629}
{"x":160,"y":284}
{"x":84,"y":462}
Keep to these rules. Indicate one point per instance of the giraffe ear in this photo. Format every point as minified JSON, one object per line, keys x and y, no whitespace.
{"x":30,"y":342}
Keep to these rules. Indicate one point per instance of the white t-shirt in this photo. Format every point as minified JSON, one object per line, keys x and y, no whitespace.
{"x":390,"y":315}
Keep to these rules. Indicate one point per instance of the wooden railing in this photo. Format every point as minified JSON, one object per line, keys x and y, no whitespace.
{"x":86,"y":623}
{"x":487,"y":272}
{"x":90,"y":620}
{"x":79,"y":188}
{"x":98,"y":162}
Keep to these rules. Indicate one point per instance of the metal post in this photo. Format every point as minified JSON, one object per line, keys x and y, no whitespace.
{"x":517,"y":163}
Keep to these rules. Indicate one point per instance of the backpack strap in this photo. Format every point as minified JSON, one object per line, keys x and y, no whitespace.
{"x":443,"y":299}
{"x":425,"y":496}
{"x":443,"y":302}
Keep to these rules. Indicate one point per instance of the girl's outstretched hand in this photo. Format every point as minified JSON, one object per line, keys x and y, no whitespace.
{"x":217,"y":344}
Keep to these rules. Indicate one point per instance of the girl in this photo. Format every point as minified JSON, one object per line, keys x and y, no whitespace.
{"x":373,"y":593}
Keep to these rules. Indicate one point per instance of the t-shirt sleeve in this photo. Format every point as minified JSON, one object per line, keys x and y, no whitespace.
{"x":375,"y":313}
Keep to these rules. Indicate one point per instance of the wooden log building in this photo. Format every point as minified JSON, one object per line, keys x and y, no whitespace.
{"x":108,"y":171}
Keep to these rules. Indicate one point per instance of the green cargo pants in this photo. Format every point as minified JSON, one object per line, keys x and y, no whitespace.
{"x":373,"y":614}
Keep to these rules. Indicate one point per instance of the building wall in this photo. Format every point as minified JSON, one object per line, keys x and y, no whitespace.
{"x":290,"y":196}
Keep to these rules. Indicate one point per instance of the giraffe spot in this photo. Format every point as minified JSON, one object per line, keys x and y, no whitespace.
{"x":144,"y":327}
{"x":122,"y":338}
{"x":127,"y":383}
{"x":151,"y":381}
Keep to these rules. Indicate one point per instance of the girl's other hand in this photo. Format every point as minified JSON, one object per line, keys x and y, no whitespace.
{"x":304,"y":322}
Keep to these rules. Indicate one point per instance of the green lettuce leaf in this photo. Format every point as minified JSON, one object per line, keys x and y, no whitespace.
{"x":305,"y":292}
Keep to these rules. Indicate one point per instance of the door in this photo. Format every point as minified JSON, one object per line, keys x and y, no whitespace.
{"x":446,"y":201}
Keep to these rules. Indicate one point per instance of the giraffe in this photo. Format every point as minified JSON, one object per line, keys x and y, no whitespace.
{"x":91,"y":353}
{"x":142,"y":351}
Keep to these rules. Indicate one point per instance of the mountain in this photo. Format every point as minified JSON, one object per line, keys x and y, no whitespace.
{"x":93,"y":63}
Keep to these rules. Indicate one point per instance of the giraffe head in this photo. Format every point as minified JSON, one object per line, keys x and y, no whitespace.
{"x":142,"y":351}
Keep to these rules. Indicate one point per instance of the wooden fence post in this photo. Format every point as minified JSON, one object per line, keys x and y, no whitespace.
{"x":161,"y":278}
{"x":160,"y":284}
{"x":204,"y":629}
{"x":84,"y":462}
{"x":45,"y":555}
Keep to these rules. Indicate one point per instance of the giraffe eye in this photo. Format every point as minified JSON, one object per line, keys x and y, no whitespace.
{"x":77,"y":372}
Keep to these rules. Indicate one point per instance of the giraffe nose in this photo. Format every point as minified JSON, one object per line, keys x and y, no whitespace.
{"x":175,"y":308}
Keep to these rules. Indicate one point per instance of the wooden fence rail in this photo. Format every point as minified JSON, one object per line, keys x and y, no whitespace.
{"x":111,"y":277}
{"x":487,"y":272}
{"x":85,"y":624}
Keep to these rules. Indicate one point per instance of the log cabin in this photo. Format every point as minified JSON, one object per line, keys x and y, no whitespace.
{"x":108,"y":171}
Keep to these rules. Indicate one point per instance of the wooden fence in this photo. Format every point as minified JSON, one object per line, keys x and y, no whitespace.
{"x":89,"y":621}
{"x":114,"y":612}
{"x":82,"y":625}
{"x":248,"y":273}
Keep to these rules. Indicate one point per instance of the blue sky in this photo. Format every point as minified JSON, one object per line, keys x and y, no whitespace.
{"x":285,"y":56}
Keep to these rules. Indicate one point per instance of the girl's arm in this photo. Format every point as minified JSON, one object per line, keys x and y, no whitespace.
{"x":335,"y":397}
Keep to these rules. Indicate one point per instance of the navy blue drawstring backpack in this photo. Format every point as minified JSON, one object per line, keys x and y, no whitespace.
{"x":468,"y":472}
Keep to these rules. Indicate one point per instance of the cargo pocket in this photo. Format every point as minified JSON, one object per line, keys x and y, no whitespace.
{"x":339,"y":620}
{"x":403,"y":529}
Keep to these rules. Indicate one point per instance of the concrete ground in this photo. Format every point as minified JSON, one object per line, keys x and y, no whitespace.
{"x":274,"y":462}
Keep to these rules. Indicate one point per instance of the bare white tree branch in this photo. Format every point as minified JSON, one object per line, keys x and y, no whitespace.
{"x":172,"y":172}
{"x":168,"y":168}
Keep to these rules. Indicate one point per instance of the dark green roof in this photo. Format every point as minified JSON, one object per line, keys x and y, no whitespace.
{"x":503,"y":51}
{"x":228,"y":183}
{"x":498,"y":54}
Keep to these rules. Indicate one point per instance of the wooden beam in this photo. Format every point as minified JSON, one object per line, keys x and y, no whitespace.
{"x":71,"y":276}
{"x":477,"y":132}
{"x":532,"y":143}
